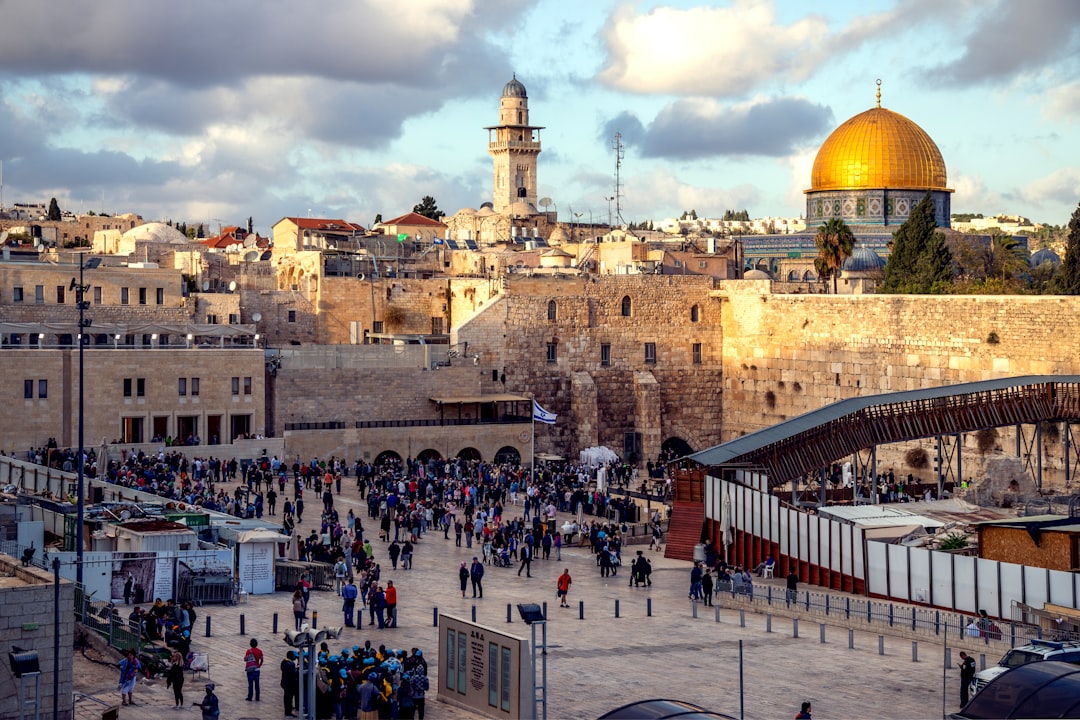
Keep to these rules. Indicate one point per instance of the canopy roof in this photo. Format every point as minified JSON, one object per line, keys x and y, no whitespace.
{"x":468,"y":399}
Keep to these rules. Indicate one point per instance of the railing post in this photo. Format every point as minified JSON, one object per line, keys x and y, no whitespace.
{"x":847,"y":610}
{"x":913,"y":619}
{"x":891,"y":611}
{"x":827,"y":596}
{"x":937,"y":622}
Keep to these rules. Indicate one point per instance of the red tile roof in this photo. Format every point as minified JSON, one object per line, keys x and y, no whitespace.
{"x":325,"y":224}
{"x":414,"y":219}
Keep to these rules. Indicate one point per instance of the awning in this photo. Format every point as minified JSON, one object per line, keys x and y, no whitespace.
{"x":104,"y":328}
{"x":468,"y":399}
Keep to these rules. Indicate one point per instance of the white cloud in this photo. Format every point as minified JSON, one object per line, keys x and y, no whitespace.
{"x":973,"y":195}
{"x":662,"y":194}
{"x":1062,"y":186}
{"x":1063,"y":102}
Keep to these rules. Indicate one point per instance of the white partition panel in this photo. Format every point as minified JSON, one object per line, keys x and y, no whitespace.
{"x":785,"y":531}
{"x":836,"y":557}
{"x":941,"y":588}
{"x":758,"y":525}
{"x":847,"y":551}
{"x":877,"y":561}
{"x":1012,"y":579}
{"x":813,"y":537}
{"x":803,"y":537}
{"x":774,"y":512}
{"x":919,"y":566}
{"x":858,"y":547}
{"x":1035,"y":586}
{"x":964,"y":583}
{"x":711,"y":485}
{"x":989,"y":597}
{"x":898,"y":571}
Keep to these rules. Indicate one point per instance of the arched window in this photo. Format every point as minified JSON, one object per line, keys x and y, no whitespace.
{"x":626,"y":306}
{"x":695,"y":314}
{"x":553,"y":311}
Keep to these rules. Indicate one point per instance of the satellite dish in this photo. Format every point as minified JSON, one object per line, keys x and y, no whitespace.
{"x":3,"y":237}
{"x":249,"y":241}
{"x":205,"y":285}
{"x":251,"y":256}
{"x":360,"y":276}
{"x":545,"y":202}
{"x":256,"y":317}
{"x":232,"y":286}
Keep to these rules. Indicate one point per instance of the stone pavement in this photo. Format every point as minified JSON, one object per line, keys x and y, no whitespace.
{"x":595,"y":664}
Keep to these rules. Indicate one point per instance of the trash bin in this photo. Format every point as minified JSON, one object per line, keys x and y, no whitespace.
{"x":699,"y":552}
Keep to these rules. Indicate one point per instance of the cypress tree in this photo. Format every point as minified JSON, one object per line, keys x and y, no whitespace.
{"x":1067,"y":280}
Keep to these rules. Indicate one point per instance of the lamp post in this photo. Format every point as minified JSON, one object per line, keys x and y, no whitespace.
{"x":308,"y":638}
{"x":83,"y":305}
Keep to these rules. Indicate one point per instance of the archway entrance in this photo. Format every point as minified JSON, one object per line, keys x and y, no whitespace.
{"x":388,"y":457}
{"x":508,"y":455}
{"x":470,"y":454}
{"x":428,"y":455}
{"x":674,"y":448}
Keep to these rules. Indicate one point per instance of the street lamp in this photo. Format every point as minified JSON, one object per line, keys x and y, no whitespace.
{"x":80,"y":294}
{"x":307,"y":638}
{"x":533,"y":615}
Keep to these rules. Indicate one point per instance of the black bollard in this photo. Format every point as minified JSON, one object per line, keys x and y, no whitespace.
{"x":616,"y":608}
{"x":275,"y":623}
{"x":434,"y":617}
{"x":474,"y":613}
{"x":545,"y":610}
{"x":581,"y":610}
{"x":509,"y":616}
{"x":648,"y":607}
{"x":314,"y":619}
{"x":242,"y":631}
{"x":207,"y":626}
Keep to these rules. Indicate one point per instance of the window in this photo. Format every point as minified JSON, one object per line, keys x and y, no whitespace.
{"x":236,"y":386}
{"x":39,"y":294}
{"x":627,"y":307}
{"x":97,"y":295}
{"x":194,"y":387}
{"x":552,"y":352}
{"x":697,"y":353}
{"x":43,"y":389}
{"x":28,"y":389}
{"x":160,"y":296}
{"x":142,"y":296}
{"x":234,"y":318}
{"x":292,"y":316}
{"x":677,"y":263}
{"x":123,"y":296}
{"x":140,"y":387}
{"x":247,"y":385}
{"x":127,"y":387}
{"x":211,"y":319}
{"x":695,"y":314}
{"x":553,"y":311}
{"x":376,"y":326}
{"x":17,"y":294}
{"x":605,"y":354}
{"x":650,"y":353}
{"x":437,"y":326}
{"x":60,"y":294}
{"x":702,"y":264}
{"x":182,"y":387}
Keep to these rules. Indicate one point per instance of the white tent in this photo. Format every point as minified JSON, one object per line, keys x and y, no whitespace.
{"x":597,"y":456}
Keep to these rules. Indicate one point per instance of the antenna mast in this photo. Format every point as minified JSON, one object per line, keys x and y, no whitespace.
{"x":620,"y":153}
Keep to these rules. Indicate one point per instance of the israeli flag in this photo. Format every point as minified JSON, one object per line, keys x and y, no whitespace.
{"x":543,"y":416}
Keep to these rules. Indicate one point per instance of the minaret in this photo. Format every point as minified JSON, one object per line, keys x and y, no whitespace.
{"x":513,"y":145}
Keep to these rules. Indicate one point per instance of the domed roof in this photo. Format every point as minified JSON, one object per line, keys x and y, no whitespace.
{"x":558,"y":236}
{"x":514,"y":88}
{"x":156,"y":232}
{"x":878,"y":149}
{"x":756,"y":275}
{"x":863,"y":260}
{"x":1046,"y":255}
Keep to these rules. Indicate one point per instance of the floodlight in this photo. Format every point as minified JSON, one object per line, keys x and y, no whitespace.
{"x":23,"y":662}
{"x":531,"y":613}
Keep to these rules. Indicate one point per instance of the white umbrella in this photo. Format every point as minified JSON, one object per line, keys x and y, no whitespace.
{"x":725,"y":524}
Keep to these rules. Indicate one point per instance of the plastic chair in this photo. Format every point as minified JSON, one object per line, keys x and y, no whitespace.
{"x":768,"y":571}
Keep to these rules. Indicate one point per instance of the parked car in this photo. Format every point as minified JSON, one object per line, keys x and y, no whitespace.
{"x":1035,"y":651}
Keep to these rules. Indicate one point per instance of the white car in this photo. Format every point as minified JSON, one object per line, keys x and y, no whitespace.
{"x":1035,"y":651}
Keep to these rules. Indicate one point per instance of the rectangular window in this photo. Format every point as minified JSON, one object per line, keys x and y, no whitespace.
{"x":97,"y":295}
{"x":142,"y":296}
{"x":123,"y":296}
{"x":605,"y":354}
{"x":39,"y":294}
{"x":436,"y":326}
{"x":234,"y":318}
{"x":507,"y":679}
{"x":697,"y":353}
{"x":60,"y":294}
{"x":194,"y":387}
{"x":247,"y":385}
{"x":493,"y":674}
{"x":552,"y":352}
{"x":17,"y":294}
{"x":292,"y":316}
{"x":160,"y":293}
{"x":127,"y":387}
{"x":677,"y":263}
{"x":43,"y":389}
{"x":462,"y":664}
{"x":211,"y":320}
{"x":182,"y":387}
{"x":140,"y":387}
{"x":28,"y":389}
{"x":650,"y":353}
{"x":236,"y":386}
{"x":451,"y":656}
{"x":702,"y":264}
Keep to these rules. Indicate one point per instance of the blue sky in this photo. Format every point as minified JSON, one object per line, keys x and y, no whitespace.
{"x":207,"y":111}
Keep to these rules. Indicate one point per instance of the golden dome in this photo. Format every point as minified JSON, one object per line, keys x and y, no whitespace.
{"x":878,"y":149}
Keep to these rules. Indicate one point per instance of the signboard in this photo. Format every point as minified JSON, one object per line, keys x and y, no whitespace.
{"x":257,"y":567}
{"x":484,"y":670}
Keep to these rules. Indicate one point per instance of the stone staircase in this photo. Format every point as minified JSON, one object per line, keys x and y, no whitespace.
{"x":684,"y":530}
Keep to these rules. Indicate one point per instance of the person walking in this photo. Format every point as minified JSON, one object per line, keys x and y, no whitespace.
{"x":792,"y":584}
{"x":129,"y":672}
{"x":290,"y":682}
{"x":253,"y":662}
{"x":463,"y":577}
{"x":174,"y":678}
{"x":395,"y":552}
{"x":210,"y":706}
{"x":476,"y":574}
{"x":526,"y":560}
{"x":563,"y":586}
{"x":695,"y":582}
{"x":298,"y":608}
{"x":967,"y":675}
{"x":707,"y":587}
{"x":348,"y":601}
{"x":391,"y":604}
{"x":804,"y":712}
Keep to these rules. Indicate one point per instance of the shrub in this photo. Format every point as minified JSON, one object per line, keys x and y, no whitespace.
{"x":955,"y":540}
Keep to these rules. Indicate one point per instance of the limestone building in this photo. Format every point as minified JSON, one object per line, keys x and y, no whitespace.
{"x":514,"y":145}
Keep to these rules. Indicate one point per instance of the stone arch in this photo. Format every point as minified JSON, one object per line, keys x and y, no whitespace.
{"x":809,"y":276}
{"x":470,"y":454}
{"x":387,"y":457}
{"x":695,"y":313}
{"x":627,"y":306}
{"x":677,"y":446}
{"x":429,"y":454}
{"x":508,"y":454}
{"x":552,"y":311}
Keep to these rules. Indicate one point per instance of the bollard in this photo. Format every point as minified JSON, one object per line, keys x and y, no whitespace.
{"x":474,"y":613}
{"x":693,"y":608}
{"x":207,"y":626}
{"x":545,"y":610}
{"x":822,"y":626}
{"x":434,"y":617}
{"x":982,"y":661}
{"x":314,"y":619}
{"x":275,"y":623}
{"x":768,"y":594}
{"x":913,"y":621}
{"x":616,"y":608}
{"x":890,"y":614}
{"x":937,"y":622}
{"x":851,"y":639}
{"x":768,"y":622}
{"x":948,"y":658}
{"x":509,"y":616}
{"x":914,"y":651}
{"x":648,"y":607}
{"x":742,"y":618}
{"x":717,"y":609}
{"x":580,"y":609}
{"x":242,"y":632}
{"x":827,"y":604}
{"x":880,"y":644}
{"x":794,"y":627}
{"x":1012,"y":635}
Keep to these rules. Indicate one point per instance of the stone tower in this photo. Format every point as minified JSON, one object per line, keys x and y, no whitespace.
{"x":513,"y":145}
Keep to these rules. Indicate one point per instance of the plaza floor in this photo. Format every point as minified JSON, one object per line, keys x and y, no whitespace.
{"x":594,"y":664}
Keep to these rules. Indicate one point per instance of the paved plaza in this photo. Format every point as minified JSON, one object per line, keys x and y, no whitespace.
{"x":595,"y":664}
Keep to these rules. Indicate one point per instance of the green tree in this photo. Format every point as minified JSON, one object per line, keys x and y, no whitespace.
{"x":428,"y":208}
{"x":920,"y":261}
{"x":835,"y":243}
{"x":54,"y":210}
{"x":1067,"y":280}
{"x":1008,"y":258}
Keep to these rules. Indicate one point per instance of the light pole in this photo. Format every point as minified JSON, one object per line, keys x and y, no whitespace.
{"x":609,"y":199}
{"x":83,"y":305}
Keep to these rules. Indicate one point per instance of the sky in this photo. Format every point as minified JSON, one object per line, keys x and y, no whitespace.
{"x":209,"y":111}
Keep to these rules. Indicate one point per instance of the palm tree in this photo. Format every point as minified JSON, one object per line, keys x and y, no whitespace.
{"x":835,"y":242}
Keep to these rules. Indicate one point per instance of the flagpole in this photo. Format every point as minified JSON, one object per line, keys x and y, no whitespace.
{"x":532,"y":446}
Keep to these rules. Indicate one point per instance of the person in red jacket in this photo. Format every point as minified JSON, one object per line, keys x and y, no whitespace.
{"x":391,"y":604}
{"x":563,"y":585}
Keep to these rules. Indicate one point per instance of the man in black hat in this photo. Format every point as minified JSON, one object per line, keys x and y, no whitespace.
{"x":210,"y":707}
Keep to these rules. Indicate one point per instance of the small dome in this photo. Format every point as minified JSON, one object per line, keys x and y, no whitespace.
{"x":863,"y":260}
{"x":514,"y":88}
{"x":156,"y":232}
{"x":756,"y":275}
{"x":467,"y":211}
{"x":558,"y":236}
{"x":1046,"y":255}
{"x":485,"y":210}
